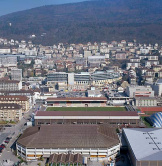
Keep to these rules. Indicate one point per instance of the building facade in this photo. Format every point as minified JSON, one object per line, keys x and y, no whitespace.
{"x":23,"y":101}
{"x":10,"y":85}
{"x":10,"y":112}
{"x":89,"y":140}
{"x":84,"y":117}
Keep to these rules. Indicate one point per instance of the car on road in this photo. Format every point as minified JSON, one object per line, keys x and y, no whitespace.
{"x":1,"y":149}
{"x":7,"y":141}
{"x":8,"y":138}
{"x":2,"y":146}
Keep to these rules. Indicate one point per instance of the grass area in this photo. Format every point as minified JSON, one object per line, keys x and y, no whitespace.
{"x":3,"y":122}
{"x":86,"y":109}
{"x":145,"y":122}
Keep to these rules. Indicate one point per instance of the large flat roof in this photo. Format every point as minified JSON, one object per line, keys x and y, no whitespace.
{"x":78,"y":99}
{"x":69,"y":136}
{"x":86,"y":113}
{"x":146,"y":143}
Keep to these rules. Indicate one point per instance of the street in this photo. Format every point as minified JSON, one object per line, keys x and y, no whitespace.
{"x":13,"y":132}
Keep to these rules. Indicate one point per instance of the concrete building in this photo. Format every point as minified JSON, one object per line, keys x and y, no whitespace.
{"x":144,"y":146}
{"x":145,"y":101}
{"x":87,"y":54}
{"x":94,"y":93}
{"x":10,"y":85}
{"x":8,"y":61}
{"x":32,"y":96}
{"x":89,"y":140}
{"x":10,"y":112}
{"x":139,"y":91}
{"x":16,"y":74}
{"x":62,"y":80}
{"x":96,"y":59}
{"x":21,"y":100}
{"x":84,"y":117}
{"x":157,"y":87}
{"x":77,"y":102}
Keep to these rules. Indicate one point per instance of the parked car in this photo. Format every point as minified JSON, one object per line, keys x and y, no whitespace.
{"x":8,"y":138}
{"x":2,"y":146}
{"x":7,"y":141}
{"x":1,"y":149}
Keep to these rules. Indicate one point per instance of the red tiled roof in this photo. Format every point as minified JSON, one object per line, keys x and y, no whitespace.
{"x":150,"y":109}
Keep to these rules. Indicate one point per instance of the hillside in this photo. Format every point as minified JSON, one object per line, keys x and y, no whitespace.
{"x":87,"y":21}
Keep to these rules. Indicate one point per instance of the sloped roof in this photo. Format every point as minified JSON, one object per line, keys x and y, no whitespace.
{"x":146,"y":143}
{"x":69,"y":136}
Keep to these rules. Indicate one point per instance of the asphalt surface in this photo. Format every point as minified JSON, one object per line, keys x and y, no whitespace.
{"x":3,"y":137}
{"x":13,"y":132}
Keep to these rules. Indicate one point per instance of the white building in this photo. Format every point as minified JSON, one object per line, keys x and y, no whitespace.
{"x":139,"y":91}
{"x":89,"y":140}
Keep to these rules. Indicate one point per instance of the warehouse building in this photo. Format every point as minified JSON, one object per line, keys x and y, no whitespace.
{"x":86,"y":117}
{"x":139,"y":91}
{"x":88,"y":140}
{"x":144,"y":146}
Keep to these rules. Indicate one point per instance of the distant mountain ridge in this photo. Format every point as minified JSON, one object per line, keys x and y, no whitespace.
{"x":87,"y":21}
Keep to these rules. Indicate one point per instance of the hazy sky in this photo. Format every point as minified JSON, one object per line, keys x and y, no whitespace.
{"x":9,"y":6}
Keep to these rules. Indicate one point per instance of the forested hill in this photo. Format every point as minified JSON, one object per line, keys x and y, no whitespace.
{"x":102,"y":20}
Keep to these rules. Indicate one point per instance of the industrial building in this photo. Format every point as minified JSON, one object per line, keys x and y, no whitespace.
{"x":77,"y":102}
{"x":86,"y":117}
{"x":88,"y":140}
{"x":62,"y":80}
{"x":145,"y":101}
{"x":144,"y":146}
{"x":139,"y":91}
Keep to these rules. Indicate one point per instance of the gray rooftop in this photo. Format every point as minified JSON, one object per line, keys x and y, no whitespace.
{"x":146,"y":143}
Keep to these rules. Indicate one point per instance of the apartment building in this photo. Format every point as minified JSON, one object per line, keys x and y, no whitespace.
{"x":10,"y":112}
{"x":10,"y":85}
{"x":16,"y":74}
{"x":21,"y":100}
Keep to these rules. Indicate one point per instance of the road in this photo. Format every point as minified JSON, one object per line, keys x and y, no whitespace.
{"x":14,"y":132}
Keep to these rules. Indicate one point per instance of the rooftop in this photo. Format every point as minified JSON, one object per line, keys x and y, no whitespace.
{"x":146,"y":143}
{"x":69,"y":136}
{"x":86,"y":113}
{"x":78,"y":99}
{"x":9,"y":106}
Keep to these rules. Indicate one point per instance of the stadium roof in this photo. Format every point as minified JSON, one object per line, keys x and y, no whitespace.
{"x":86,"y":113}
{"x":146,"y":143}
{"x":78,"y":99}
{"x":69,"y":136}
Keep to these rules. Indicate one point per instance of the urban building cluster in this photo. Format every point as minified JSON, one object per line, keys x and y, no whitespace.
{"x":80,"y":97}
